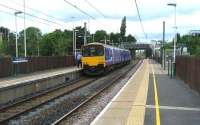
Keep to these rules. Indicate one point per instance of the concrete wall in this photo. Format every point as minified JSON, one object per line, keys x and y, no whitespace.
{"x":26,"y":89}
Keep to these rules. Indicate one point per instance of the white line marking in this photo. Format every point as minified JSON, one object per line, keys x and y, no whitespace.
{"x":174,"y":108}
{"x":108,"y":105}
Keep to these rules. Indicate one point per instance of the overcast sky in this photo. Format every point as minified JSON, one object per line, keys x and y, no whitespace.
{"x":61,"y":15}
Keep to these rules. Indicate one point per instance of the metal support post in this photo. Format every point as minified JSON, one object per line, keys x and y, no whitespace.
{"x":174,"y":69}
{"x":164,"y":59}
{"x":175,"y":30}
{"x":25,"y":50}
{"x":73,"y":43}
{"x":85,"y":34}
{"x":171,"y":68}
{"x":163,"y":41}
{"x":16,"y":37}
{"x":168,"y":67}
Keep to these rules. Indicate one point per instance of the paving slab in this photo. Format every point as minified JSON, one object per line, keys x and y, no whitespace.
{"x":178,"y":104}
{"x":128,"y":106}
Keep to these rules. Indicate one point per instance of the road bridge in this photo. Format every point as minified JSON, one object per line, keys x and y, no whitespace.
{"x":149,"y":48}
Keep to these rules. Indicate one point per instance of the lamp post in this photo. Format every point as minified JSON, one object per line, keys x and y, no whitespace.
{"x":16,"y":42}
{"x":25,"y":52}
{"x":74,"y":41}
{"x":175,"y":27}
{"x":93,"y":38}
{"x":85,"y":33}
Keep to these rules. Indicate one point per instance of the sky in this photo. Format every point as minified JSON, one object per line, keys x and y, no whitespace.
{"x":58,"y":14}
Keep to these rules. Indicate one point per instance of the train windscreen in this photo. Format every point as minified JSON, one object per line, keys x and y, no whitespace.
{"x":92,"y":50}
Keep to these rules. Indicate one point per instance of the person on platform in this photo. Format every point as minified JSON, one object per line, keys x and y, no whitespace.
{"x":79,"y":56}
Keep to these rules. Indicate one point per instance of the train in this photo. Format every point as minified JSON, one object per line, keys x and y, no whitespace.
{"x":98,"y":58}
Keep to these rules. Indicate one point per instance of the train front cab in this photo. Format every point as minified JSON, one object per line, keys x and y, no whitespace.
{"x":93,"y":60}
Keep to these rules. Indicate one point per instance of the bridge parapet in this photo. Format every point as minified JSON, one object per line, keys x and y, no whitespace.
{"x":137,"y":46}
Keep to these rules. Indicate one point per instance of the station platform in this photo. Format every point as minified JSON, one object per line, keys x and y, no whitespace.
{"x":15,"y":80}
{"x":150,"y":97}
{"x":13,"y":89}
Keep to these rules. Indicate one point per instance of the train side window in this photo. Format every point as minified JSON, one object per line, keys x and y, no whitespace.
{"x":99,"y":51}
{"x":108,"y":57}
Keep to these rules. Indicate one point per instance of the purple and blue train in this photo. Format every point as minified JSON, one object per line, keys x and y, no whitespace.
{"x":99,"y":58}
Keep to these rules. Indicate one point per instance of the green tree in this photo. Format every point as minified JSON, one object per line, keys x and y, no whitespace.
{"x":184,"y":39}
{"x":115,"y":38}
{"x":33,"y":36}
{"x":11,"y":44}
{"x":4,"y":41}
{"x":68,"y":34}
{"x":168,"y":45}
{"x":46,"y":45}
{"x":123,"y":28}
{"x":131,"y":39}
{"x":1,"y":48}
{"x":178,"y":38}
{"x":100,"y":36}
{"x":191,"y":42}
{"x":80,"y":32}
{"x":57,"y":43}
{"x":197,"y":51}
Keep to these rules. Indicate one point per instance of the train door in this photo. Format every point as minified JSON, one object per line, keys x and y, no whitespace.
{"x":108,"y":55}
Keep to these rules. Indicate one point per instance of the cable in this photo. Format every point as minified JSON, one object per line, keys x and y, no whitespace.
{"x":5,"y":12}
{"x":79,"y":9}
{"x":85,"y":13}
{"x":5,"y":6}
{"x":38,"y":11}
{"x":140,"y":19}
{"x":95,"y":8}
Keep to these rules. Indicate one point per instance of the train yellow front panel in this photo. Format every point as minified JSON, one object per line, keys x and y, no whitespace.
{"x":93,"y":61}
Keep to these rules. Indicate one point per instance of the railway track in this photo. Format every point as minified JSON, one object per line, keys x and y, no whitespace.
{"x":14,"y":111}
{"x":111,"y":81}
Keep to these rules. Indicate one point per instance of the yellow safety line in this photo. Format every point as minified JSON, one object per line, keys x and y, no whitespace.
{"x":156,"y":99}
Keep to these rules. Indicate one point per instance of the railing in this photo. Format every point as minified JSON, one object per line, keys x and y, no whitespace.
{"x":10,"y":67}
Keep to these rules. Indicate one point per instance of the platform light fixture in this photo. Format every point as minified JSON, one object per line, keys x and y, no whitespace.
{"x":175,"y":28}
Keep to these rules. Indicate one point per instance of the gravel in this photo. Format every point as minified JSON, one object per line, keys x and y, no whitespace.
{"x":48,"y":113}
{"x":85,"y":115}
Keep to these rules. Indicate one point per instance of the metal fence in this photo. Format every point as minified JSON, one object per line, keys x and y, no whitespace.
{"x":8,"y":68}
{"x":188,"y":70}
{"x":5,"y":67}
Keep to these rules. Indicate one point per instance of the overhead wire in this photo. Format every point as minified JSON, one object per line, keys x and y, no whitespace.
{"x":85,"y":13}
{"x":50,"y":21}
{"x":138,"y":12}
{"x":11,"y":14}
{"x":79,"y":9}
{"x":54,"y":22}
{"x":41,"y":12}
{"x":97,"y":10}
